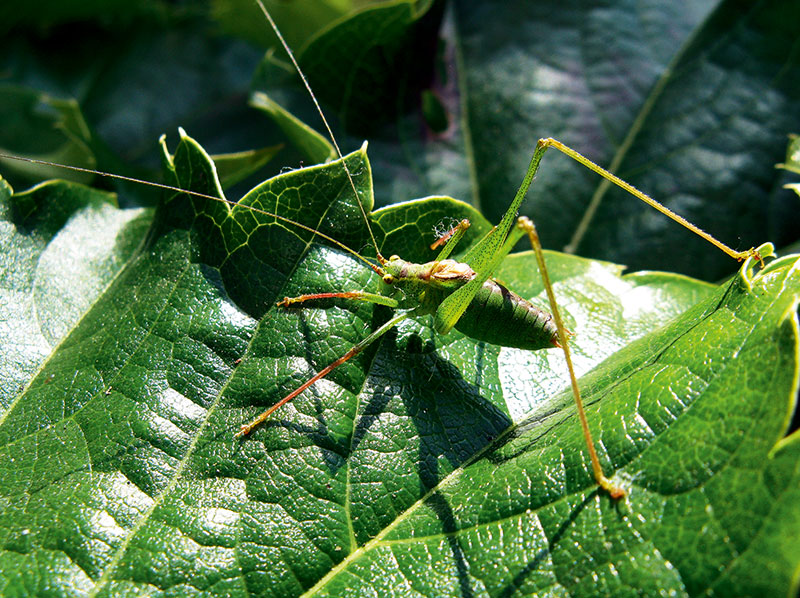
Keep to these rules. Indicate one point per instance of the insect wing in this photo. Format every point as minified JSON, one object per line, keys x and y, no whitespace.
{"x":483,"y":258}
{"x":486,"y":255}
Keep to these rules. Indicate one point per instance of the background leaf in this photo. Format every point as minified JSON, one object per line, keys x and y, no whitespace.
{"x":692,"y":102}
{"x":657,"y":97}
{"x":428,"y":465}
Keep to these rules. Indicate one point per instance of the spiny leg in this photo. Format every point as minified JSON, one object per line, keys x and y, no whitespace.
{"x":543,"y":144}
{"x":352,"y":295}
{"x":615,"y":491}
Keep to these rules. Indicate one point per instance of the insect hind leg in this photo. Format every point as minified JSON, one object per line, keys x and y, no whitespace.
{"x":526,"y":225}
{"x":610,"y":178}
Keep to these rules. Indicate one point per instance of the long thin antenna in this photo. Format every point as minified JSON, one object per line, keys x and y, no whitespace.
{"x":286,"y":47}
{"x":230,"y":202}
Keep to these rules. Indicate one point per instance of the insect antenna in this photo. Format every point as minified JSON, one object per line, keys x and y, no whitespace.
{"x":230,"y":202}
{"x":288,"y":50}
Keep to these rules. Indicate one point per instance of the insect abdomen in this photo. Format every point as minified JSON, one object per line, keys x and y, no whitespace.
{"x":499,"y":316}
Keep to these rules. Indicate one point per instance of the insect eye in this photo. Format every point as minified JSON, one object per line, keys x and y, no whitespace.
{"x":388,"y":279}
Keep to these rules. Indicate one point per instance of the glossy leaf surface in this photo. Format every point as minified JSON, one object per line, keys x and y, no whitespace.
{"x":427,"y":464}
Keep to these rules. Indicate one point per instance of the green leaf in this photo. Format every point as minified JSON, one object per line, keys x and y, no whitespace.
{"x":136,"y":342}
{"x":689,"y":101}
{"x":43,"y":128}
{"x":62,"y":244}
{"x":411,"y":227}
{"x":233,"y":168}
{"x":792,"y":163}
{"x":313,"y":145}
{"x":428,"y":465}
{"x":297,"y":20}
{"x":389,"y":38}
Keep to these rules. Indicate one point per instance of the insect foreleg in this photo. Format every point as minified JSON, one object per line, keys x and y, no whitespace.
{"x":450,"y":239}
{"x":526,"y":225}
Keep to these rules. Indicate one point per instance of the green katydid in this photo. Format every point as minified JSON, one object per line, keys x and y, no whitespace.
{"x":453,"y":302}
{"x":462,"y":295}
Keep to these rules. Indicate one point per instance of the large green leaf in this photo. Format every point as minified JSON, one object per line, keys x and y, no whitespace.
{"x":135,"y":343}
{"x":425,"y":466}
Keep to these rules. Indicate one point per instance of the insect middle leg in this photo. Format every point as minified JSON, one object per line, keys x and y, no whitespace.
{"x":355,"y":350}
{"x":351,"y":295}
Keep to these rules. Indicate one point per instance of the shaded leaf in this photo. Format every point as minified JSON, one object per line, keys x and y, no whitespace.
{"x":43,"y":128}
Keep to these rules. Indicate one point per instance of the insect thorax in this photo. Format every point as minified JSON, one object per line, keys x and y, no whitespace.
{"x":425,"y":285}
